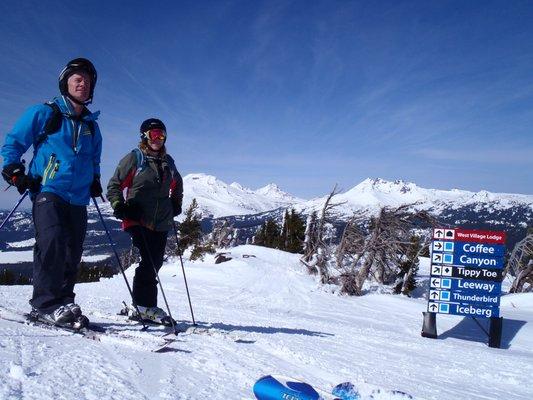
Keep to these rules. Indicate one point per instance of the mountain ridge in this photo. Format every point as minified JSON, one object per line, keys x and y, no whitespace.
{"x":247,"y":209}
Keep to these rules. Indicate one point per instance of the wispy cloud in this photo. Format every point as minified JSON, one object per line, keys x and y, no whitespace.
{"x":477,"y":155}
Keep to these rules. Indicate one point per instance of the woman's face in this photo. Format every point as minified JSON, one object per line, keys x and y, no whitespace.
{"x":156,"y":144}
{"x":156,"y":139}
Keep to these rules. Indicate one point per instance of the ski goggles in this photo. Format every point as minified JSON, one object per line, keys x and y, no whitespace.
{"x":155,"y":134}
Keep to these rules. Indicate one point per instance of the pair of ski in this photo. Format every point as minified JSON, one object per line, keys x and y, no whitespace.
{"x":279,"y":387}
{"x":157,"y":342}
{"x":186,"y":329}
{"x":158,"y":339}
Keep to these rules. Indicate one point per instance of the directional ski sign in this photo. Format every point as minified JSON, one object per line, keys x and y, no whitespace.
{"x":466,"y":272}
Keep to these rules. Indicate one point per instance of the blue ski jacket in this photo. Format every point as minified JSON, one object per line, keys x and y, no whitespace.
{"x":67,"y":160}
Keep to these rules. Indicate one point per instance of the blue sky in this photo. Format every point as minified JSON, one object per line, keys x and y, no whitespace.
{"x":305,"y":94}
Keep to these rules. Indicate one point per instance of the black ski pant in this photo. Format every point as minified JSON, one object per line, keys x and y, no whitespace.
{"x":60,"y":230}
{"x":151,"y":245}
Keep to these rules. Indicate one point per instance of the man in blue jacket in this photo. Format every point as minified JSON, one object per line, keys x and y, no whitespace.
{"x":62,"y":176}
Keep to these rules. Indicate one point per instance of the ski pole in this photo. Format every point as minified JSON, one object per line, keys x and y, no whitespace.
{"x":158,"y":280}
{"x":183,"y":269}
{"x":14,"y":208}
{"x":119,"y":263}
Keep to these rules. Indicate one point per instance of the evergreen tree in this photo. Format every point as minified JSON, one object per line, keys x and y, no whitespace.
{"x":93,"y":273}
{"x":190,"y":229}
{"x":268,"y":235}
{"x":290,"y":237}
{"x":7,"y":277}
{"x":295,"y":233}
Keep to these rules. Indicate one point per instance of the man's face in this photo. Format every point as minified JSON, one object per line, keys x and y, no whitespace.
{"x":79,"y":86}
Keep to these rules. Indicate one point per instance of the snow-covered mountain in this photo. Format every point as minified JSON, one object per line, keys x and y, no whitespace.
{"x":372,"y":194}
{"x":511,"y":213}
{"x":247,"y":209}
{"x":217,"y":199}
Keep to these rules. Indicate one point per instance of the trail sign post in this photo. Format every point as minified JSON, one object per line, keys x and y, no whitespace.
{"x":466,"y":275}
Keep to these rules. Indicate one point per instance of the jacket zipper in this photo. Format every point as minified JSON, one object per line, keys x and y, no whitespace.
{"x":155,"y":214}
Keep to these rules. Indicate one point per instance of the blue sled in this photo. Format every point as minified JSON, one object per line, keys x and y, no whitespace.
{"x":277,"y":387}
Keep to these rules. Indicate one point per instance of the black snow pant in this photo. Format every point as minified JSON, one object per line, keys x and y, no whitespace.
{"x":151,"y":245}
{"x":60,"y":230}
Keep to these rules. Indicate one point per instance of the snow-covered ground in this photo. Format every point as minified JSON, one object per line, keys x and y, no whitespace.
{"x":287,"y":324}
{"x":13,"y":257}
{"x":23,"y":243}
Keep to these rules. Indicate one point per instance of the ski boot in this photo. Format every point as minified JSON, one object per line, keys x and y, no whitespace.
{"x":75,"y":309}
{"x":61,"y":317}
{"x":153,"y":315}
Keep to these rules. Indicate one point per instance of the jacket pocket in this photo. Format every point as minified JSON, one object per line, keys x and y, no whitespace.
{"x":54,"y":170}
{"x":51,"y":168}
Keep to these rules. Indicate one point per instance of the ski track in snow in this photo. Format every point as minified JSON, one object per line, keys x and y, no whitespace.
{"x":287,"y":323}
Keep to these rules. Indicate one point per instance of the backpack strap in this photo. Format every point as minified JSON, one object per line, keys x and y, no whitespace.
{"x":141,"y":161}
{"x":54,"y":122}
{"x":53,"y":125}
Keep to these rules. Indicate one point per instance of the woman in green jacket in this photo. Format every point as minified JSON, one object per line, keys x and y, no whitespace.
{"x":154,"y":194}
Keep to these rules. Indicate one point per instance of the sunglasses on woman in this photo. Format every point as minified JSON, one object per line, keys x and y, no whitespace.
{"x":155,"y":134}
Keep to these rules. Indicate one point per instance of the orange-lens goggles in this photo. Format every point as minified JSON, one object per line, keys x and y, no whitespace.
{"x":156,"y":134}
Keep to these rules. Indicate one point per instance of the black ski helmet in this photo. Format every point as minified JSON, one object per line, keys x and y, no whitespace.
{"x":78,"y":64}
{"x":151,"y":123}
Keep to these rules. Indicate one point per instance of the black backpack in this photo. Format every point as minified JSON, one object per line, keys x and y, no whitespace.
{"x":54,"y":123}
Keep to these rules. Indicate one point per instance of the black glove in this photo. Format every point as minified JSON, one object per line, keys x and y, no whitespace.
{"x":176,"y":208}
{"x":11,"y":171}
{"x":127,"y":210}
{"x":96,"y":187}
{"x":25,"y":182}
{"x":14,"y":175}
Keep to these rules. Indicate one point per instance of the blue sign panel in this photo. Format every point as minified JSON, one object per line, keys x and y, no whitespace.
{"x":487,"y":250}
{"x":466,"y":286}
{"x":467,"y":297}
{"x":464,"y":297}
{"x":468,"y":310}
{"x":468,"y":260}
{"x":476,"y":287}
{"x":477,"y":273}
{"x":478,"y":261}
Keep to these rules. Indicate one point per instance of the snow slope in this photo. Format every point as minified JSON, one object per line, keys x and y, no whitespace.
{"x":288,"y":324}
